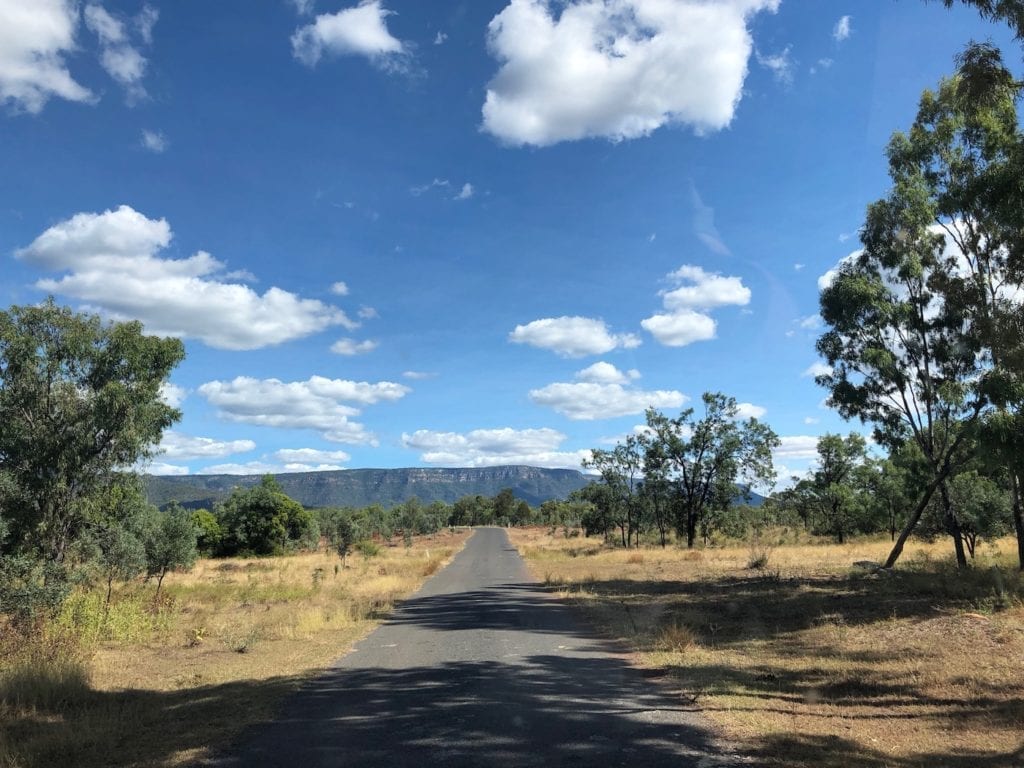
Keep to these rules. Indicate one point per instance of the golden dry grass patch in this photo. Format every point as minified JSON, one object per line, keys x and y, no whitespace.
{"x":809,"y":661}
{"x":163,"y":682}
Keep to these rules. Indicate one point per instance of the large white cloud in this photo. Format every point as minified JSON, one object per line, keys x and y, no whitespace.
{"x":34,"y":39}
{"x":112,"y":262}
{"x":698,"y":289}
{"x":320,"y":404}
{"x":572,"y":336}
{"x":361,"y":31}
{"x":492,"y":447}
{"x":697,"y":292}
{"x":596,"y":396}
{"x":616,"y":68}
{"x":680,"y":328}
{"x":175,"y":445}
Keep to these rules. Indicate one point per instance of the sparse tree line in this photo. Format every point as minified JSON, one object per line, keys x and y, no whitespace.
{"x":924,"y":343}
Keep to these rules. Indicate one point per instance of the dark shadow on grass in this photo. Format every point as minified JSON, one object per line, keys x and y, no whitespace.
{"x":728,"y":612}
{"x":94,"y":729}
{"x":837,"y":752}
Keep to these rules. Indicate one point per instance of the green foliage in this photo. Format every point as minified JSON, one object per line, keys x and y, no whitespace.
{"x":78,"y":399}
{"x":368,"y":548}
{"x":703,"y":460}
{"x":121,"y":555}
{"x":208,"y":531}
{"x":264,"y":521}
{"x":171,"y":543}
{"x":31,"y":589}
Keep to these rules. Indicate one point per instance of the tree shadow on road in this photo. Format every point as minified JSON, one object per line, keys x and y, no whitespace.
{"x":539,"y":710}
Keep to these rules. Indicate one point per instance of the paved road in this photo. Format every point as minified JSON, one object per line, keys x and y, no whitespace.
{"x":480,"y":668}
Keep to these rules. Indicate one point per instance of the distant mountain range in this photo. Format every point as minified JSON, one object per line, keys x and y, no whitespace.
{"x":388,"y":487}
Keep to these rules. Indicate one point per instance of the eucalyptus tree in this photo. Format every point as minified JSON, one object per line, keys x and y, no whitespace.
{"x":704,"y":460}
{"x":79,"y":401}
{"x":836,"y":482}
{"x":621,"y":470}
{"x":937,"y":290}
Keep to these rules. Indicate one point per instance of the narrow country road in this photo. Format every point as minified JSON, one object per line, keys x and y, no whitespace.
{"x":480,"y":668}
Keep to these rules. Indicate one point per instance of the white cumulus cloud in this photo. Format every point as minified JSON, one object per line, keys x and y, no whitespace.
{"x":697,"y":292}
{"x":111,"y":261}
{"x":353,"y":347}
{"x":779,"y":64}
{"x":595,"y":396}
{"x":34,"y":39}
{"x":161,"y":468}
{"x":606,"y":373}
{"x":572,"y":336}
{"x":817,"y":369}
{"x":175,"y":445}
{"x":172,"y":394}
{"x":321,"y":404}
{"x":616,"y":68}
{"x":311,"y":456}
{"x":492,"y":447}
{"x":360,"y":31}
{"x":154,"y":141}
{"x":796,"y":447}
{"x":842,"y":29}
{"x":750,"y":411}
{"x":121,"y":59}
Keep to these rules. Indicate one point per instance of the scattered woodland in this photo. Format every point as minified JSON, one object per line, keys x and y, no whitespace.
{"x":118,"y":618}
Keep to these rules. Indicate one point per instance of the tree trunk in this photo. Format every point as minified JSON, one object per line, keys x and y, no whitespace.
{"x":160,"y":581}
{"x":912,"y":521}
{"x":1018,"y":517}
{"x":691,"y":529}
{"x":953,"y":526}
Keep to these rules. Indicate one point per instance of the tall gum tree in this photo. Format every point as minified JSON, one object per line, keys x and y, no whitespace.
{"x":703,"y":460}
{"x":925,"y":323}
{"x":79,"y":400}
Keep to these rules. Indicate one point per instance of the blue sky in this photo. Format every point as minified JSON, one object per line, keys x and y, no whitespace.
{"x":456,"y":233}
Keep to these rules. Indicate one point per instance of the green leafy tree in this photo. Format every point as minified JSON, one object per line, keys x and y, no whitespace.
{"x":263,"y":520}
{"x":705,"y":460}
{"x":171,"y":543}
{"x":835,"y":482}
{"x":79,"y":399}
{"x":209,"y":533}
{"x":121,"y":555}
{"x":982,"y":507}
{"x":504,"y":506}
{"x":943,"y":255}
{"x":621,"y":469}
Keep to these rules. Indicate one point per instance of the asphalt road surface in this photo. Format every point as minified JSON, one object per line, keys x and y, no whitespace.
{"x":481,"y":668}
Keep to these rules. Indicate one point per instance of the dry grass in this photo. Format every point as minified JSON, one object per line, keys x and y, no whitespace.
{"x":807,"y":661}
{"x":160,"y":684}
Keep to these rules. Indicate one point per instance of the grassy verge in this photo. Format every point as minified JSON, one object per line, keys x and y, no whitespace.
{"x":809,"y":661}
{"x":161,"y":682}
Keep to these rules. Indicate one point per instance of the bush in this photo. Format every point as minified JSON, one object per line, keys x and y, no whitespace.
{"x":368,"y":548}
{"x":30,"y":589}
